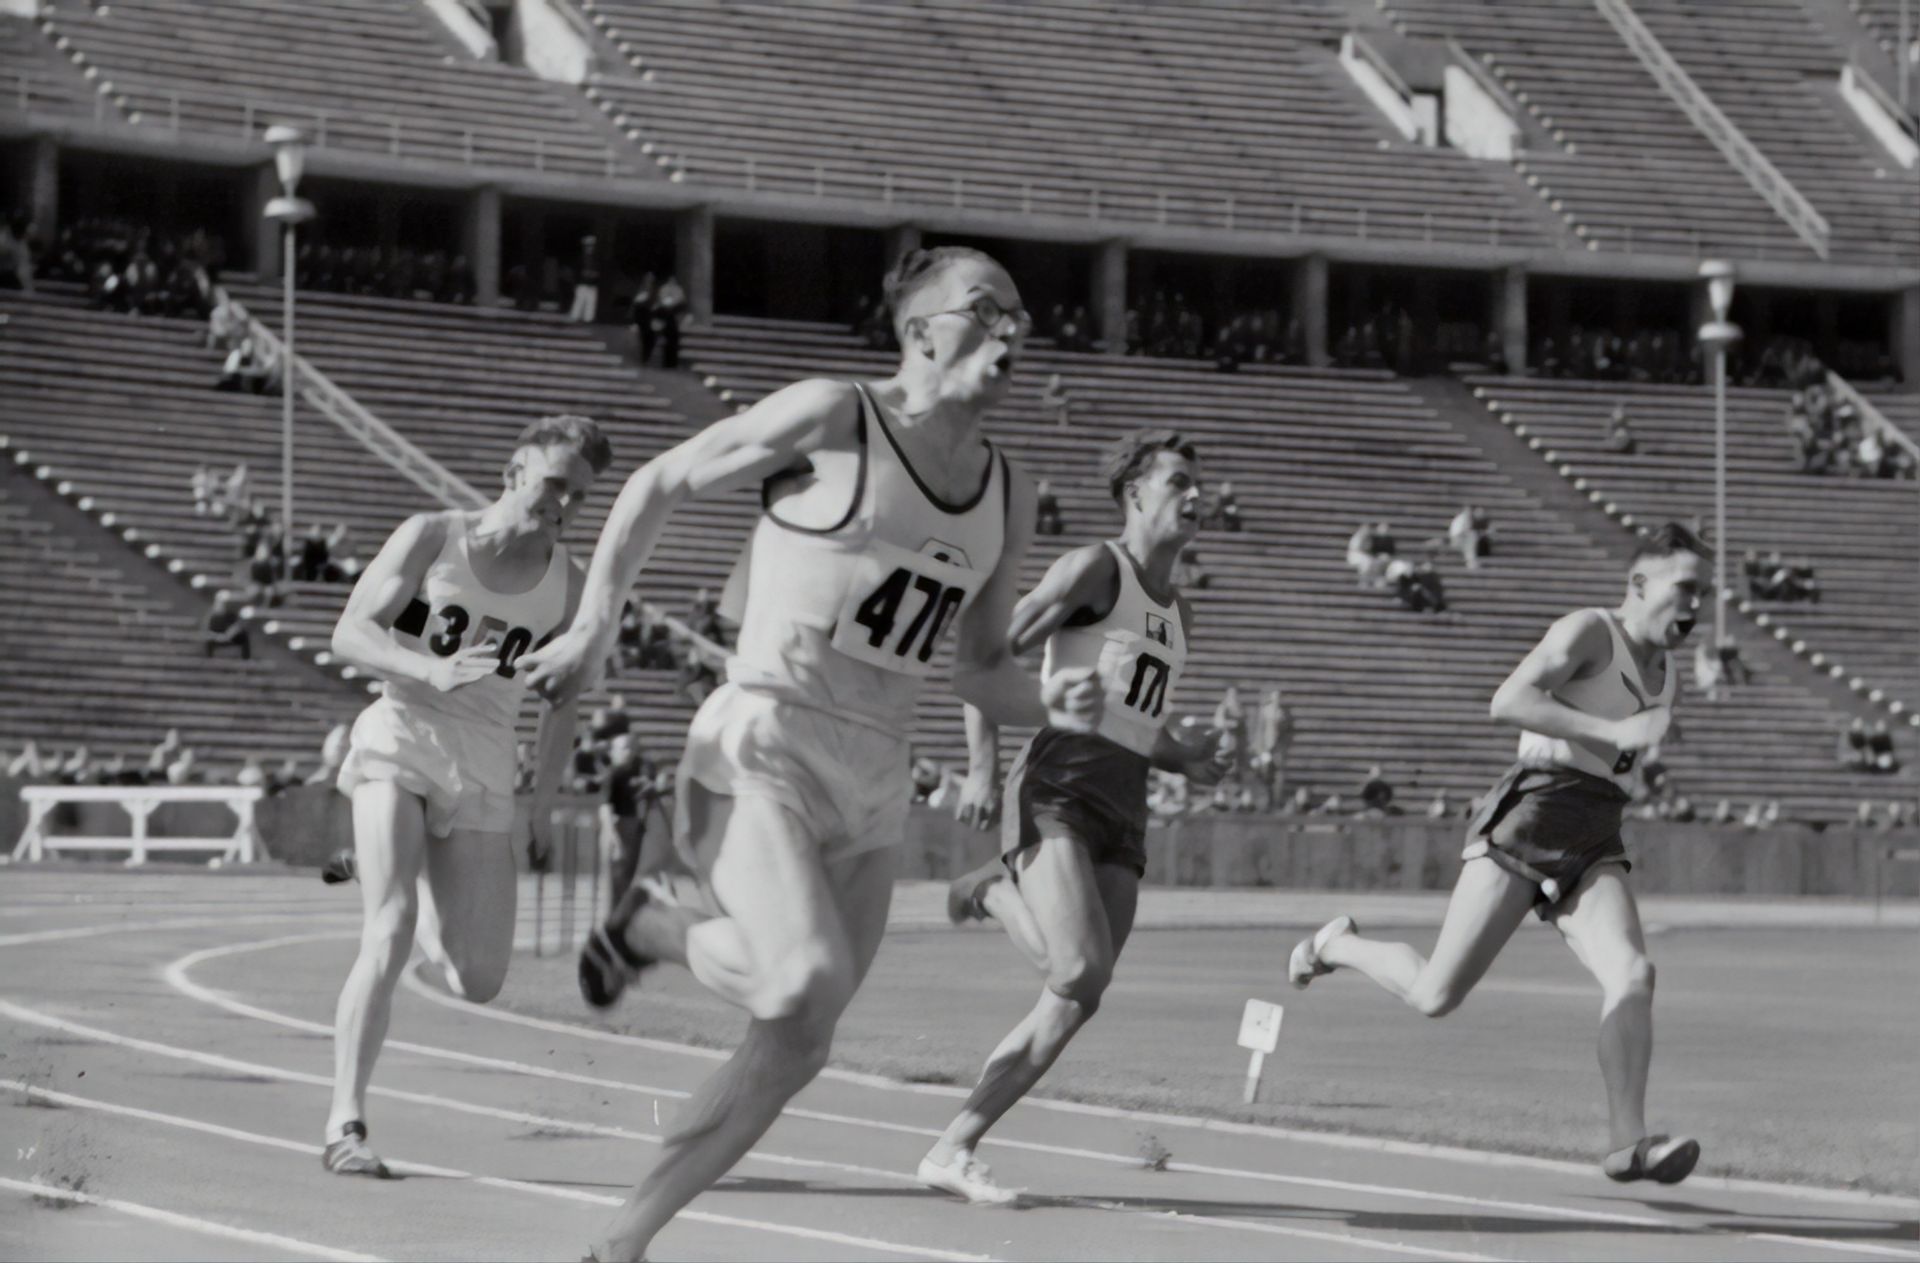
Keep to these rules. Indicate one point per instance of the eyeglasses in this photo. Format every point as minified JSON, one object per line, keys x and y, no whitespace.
{"x":987,"y":310}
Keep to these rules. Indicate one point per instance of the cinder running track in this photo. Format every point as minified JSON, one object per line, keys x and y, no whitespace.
{"x":165,"y":1055}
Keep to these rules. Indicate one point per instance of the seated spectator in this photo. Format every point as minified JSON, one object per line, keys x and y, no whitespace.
{"x":1852,"y":752}
{"x":1722,"y":812}
{"x":1620,"y":431}
{"x":1899,"y":815}
{"x":925,"y":774}
{"x":1376,"y":795}
{"x":1733,"y":668}
{"x":670,"y":308}
{"x":333,"y":753}
{"x":1418,"y":586}
{"x":1230,"y":720}
{"x":1870,"y":456}
{"x":1046,"y":509}
{"x":342,"y":565}
{"x":235,"y":496}
{"x":29,"y":765}
{"x":1467,"y":534}
{"x":312,"y":560}
{"x":224,"y":325}
{"x":1880,"y":756}
{"x":1188,"y":572}
{"x":162,"y":754}
{"x":251,"y":775}
{"x":656,"y":643}
{"x":1226,"y":509}
{"x":1682,"y":811}
{"x":1167,"y":793}
{"x":225,"y":629}
{"x":205,"y":489}
{"x":1437,"y":809}
{"x":1761,"y":815}
{"x":611,"y":720}
{"x":250,"y":367}
{"x":1056,"y":399}
{"x":1800,"y":583}
{"x":1708,"y":680}
{"x":183,"y":770}
{"x":263,"y":572}
{"x":1367,"y":560}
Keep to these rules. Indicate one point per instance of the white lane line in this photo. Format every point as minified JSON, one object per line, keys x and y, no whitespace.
{"x":1215,"y":1221}
{"x":173,"y":1219}
{"x":176,"y":974}
{"x":141,"y":927}
{"x":491,"y":1181}
{"x":1856,"y":1247}
{"x":1889,"y":1203}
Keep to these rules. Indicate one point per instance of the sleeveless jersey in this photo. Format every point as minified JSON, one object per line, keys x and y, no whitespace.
{"x":847,"y":616}
{"x":1140,"y":648}
{"x":453,"y":610}
{"x":1615,"y":693}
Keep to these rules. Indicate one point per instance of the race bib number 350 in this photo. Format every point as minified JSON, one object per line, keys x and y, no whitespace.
{"x":900,"y":606}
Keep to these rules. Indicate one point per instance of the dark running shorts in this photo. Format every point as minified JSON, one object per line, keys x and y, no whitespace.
{"x":1549,"y":825}
{"x":1075,"y":785}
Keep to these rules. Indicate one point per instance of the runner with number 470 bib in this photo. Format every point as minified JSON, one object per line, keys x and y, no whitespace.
{"x":1591,"y":698}
{"x":891,"y":525}
{"x":1074,"y":829}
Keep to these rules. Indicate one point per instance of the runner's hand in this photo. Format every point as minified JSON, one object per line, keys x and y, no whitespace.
{"x":1638,"y":732}
{"x":475,"y":662}
{"x":1074,"y":700}
{"x":567,"y":666}
{"x":978,"y":803}
{"x":1209,"y":762}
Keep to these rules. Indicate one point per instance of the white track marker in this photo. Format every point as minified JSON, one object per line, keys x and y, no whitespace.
{"x":561,"y":1192}
{"x":1260,"y":1033}
{"x":205,"y":1227}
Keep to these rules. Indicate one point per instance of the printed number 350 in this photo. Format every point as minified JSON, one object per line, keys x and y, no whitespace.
{"x":880,"y":613}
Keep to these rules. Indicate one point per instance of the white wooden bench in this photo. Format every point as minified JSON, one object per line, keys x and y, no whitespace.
{"x":139,"y":802}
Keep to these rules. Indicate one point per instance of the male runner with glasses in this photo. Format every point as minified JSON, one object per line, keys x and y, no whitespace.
{"x":890,"y":521}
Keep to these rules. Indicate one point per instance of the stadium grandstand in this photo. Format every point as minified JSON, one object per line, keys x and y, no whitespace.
{"x":1382,"y":259}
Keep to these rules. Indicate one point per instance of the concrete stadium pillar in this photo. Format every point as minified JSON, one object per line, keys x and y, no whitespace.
{"x":901,"y":240}
{"x":693,"y":258}
{"x":1904,"y":334}
{"x":1108,"y":301}
{"x":1310,"y":306}
{"x":1510,"y":317}
{"x":262,"y":233}
{"x":480,"y":242}
{"x":43,"y":186}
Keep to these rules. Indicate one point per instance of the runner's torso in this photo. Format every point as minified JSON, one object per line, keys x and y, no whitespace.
{"x":1616,"y":692}
{"x":858,"y":572}
{"x":1140,"y":649}
{"x":453,"y":609}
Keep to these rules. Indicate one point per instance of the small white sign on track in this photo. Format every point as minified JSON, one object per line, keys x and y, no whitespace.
{"x":1260,"y":1034}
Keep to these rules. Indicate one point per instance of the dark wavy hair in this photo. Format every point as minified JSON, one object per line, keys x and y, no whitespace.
{"x":1133,"y":455}
{"x":582,"y":434}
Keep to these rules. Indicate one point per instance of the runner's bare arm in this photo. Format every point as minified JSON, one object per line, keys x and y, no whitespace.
{"x":1204,"y":763}
{"x":1085,"y":578}
{"x":738,"y":451}
{"x":985,"y":672}
{"x":978,"y":803}
{"x":390,"y":581}
{"x":553,"y":746}
{"x":1576,"y":647}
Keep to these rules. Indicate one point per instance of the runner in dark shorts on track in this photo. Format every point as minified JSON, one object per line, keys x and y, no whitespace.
{"x":1595,"y":694}
{"x":1074,"y":836}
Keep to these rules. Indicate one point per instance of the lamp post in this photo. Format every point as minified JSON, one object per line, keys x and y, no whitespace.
{"x":289,"y":211}
{"x":1717,"y":335}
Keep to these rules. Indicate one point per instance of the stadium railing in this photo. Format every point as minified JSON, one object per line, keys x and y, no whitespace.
{"x":140,"y":802}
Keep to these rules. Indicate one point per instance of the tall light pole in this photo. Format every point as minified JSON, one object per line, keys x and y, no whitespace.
{"x":1717,"y":335}
{"x":289,"y":211}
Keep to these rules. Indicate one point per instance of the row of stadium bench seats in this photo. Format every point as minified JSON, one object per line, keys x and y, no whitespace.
{"x":1003,"y":106}
{"x":347,"y":70}
{"x":94,"y":658}
{"x":1311,"y":454}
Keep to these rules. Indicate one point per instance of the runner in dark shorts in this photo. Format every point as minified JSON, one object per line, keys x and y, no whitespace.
{"x":1079,"y":786}
{"x":1074,"y":839}
{"x":1591,"y":699}
{"x":1549,"y":825}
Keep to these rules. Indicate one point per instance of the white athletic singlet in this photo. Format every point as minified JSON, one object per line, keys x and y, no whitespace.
{"x":846,"y":616}
{"x":1615,"y":693}
{"x":1140,"y":648}
{"x":453,"y":609}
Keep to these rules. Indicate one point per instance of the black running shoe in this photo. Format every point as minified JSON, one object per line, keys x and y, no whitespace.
{"x":341,"y":866}
{"x":607,"y":964}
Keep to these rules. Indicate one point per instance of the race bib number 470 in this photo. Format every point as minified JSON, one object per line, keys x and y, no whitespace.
{"x":900,"y":606}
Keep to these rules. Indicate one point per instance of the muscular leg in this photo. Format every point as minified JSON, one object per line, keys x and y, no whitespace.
{"x":389,"y":838}
{"x":1487,"y":906}
{"x":1601,"y":923}
{"x":466,"y":918}
{"x":1003,"y":903}
{"x":1084,"y":913}
{"x":794,"y":946}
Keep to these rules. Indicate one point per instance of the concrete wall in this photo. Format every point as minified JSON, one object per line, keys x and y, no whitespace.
{"x":303,"y":826}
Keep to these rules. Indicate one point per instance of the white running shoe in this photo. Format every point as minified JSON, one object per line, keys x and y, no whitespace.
{"x":966,"y":1177}
{"x":1305,"y":964}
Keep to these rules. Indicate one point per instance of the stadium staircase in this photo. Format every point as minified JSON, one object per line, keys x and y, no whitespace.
{"x":1311,"y":454}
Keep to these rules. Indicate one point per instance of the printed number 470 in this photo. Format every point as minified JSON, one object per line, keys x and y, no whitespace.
{"x":879,"y":613}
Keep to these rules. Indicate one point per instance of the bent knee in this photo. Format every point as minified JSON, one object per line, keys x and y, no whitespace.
{"x":1634,"y":977}
{"x":1080,"y":980}
{"x":805,"y":986}
{"x":1437,"y":1000}
{"x":477,"y":981}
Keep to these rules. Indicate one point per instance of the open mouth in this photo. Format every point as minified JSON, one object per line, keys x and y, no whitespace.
{"x":1684,"y":626}
{"x":1004,"y":365}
